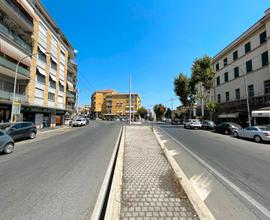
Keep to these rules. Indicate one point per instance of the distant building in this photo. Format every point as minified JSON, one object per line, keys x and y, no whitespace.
{"x":110,"y":103}
{"x":247,"y":55}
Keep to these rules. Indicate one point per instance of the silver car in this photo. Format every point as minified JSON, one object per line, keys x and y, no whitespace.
{"x":6,"y":143}
{"x":257,"y":133}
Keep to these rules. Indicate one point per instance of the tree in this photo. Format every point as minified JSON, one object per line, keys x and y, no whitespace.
{"x":168,"y":113}
{"x":182,"y":88}
{"x":142,"y":112}
{"x":212,"y":107}
{"x":159,"y":110}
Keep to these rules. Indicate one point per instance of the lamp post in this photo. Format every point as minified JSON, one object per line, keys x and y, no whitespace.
{"x":15,"y":80}
{"x":247,"y":95}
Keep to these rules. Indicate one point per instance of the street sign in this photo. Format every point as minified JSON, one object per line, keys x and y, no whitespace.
{"x":16,"y":108}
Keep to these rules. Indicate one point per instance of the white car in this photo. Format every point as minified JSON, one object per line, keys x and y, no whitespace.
{"x":192,"y":123}
{"x":79,"y":122}
{"x":257,"y":133}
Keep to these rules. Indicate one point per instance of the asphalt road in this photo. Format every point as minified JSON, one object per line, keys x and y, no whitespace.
{"x":243,"y":162}
{"x":58,"y":175}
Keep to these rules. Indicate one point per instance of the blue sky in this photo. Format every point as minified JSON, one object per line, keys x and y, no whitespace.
{"x":152,"y":40}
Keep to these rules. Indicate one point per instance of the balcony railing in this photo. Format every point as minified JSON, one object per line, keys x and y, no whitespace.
{"x":9,"y":95}
{"x":12,"y":66}
{"x":13,"y":37}
{"x":19,"y":12}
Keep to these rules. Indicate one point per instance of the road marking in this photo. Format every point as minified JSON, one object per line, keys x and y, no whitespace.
{"x":256,"y":204}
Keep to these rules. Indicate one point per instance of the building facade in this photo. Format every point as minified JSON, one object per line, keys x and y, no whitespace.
{"x":109,"y":103}
{"x":242,"y":73}
{"x":47,"y":73}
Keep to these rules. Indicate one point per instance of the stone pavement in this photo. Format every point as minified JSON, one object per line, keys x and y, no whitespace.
{"x":150,"y":189}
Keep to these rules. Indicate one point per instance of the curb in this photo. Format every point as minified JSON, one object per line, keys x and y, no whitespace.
{"x":114,"y":203}
{"x":101,"y":199}
{"x":199,"y":205}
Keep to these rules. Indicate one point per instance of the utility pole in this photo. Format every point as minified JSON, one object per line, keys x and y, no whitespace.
{"x":172,"y":102}
{"x":129,"y":100}
{"x":202,"y":101}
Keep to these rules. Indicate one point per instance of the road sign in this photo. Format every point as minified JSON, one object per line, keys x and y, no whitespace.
{"x":16,"y":108}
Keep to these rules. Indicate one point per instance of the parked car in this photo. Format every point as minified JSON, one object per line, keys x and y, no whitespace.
{"x":257,"y":133}
{"x":192,"y":123}
{"x":175,"y":121}
{"x":6,"y":143}
{"x":20,"y":130}
{"x":227,"y":127}
{"x":208,"y":125}
{"x":79,"y":122}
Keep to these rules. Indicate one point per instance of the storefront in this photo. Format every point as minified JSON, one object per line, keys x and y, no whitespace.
{"x":5,"y":112}
{"x":43,"y":117}
{"x":261,"y":117}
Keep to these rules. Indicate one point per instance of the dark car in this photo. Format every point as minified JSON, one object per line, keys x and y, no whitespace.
{"x":6,"y":143}
{"x":208,"y":125}
{"x":176,"y":121}
{"x":20,"y":130}
{"x":227,"y":127}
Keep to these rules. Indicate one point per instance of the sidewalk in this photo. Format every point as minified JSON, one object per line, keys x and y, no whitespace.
{"x":150,"y":190}
{"x":48,"y":129}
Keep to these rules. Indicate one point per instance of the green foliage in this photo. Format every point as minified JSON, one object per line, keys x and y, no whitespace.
{"x":203,"y":72}
{"x":182,"y":88}
{"x":142,"y":112}
{"x":159,"y":110}
{"x":211,"y":106}
{"x":168,"y":113}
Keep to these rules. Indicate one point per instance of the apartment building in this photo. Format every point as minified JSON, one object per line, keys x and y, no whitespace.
{"x":242,"y":72}
{"x":109,"y":103}
{"x":48,"y":72}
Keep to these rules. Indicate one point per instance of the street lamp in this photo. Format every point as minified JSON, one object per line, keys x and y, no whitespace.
{"x":247,"y":95}
{"x":15,"y":80}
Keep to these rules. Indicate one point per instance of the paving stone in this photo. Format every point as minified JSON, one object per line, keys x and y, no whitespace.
{"x":149,"y":191}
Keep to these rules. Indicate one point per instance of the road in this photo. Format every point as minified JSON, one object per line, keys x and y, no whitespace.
{"x":58,"y":175}
{"x":243,"y":162}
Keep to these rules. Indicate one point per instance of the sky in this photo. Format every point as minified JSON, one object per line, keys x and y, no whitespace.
{"x":150,"y":40}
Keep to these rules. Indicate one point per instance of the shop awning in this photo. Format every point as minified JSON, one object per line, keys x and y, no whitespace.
{"x":260,"y":114}
{"x":42,"y":49}
{"x":53,"y":77}
{"x":62,"y":82}
{"x":70,"y":86}
{"x":230,"y":115}
{"x":41,"y":71}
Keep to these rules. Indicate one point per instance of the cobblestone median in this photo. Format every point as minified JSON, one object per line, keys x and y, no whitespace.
{"x":150,"y":189}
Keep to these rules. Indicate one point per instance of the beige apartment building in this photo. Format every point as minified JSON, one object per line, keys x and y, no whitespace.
{"x":244,"y":65}
{"x":46,"y":81}
{"x":109,"y":103}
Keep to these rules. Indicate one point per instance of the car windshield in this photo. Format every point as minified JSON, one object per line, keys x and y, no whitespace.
{"x":235,"y":125}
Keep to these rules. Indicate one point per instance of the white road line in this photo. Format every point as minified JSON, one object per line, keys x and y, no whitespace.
{"x":256,"y":204}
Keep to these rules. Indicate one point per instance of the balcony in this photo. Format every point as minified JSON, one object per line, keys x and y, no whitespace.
{"x":12,"y":66}
{"x":9,"y":95}
{"x":15,"y":38}
{"x":70,"y":107}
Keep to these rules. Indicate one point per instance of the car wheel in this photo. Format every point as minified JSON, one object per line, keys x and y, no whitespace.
{"x":257,"y":139}
{"x":32,"y":135}
{"x":8,"y":148}
{"x":235,"y":134}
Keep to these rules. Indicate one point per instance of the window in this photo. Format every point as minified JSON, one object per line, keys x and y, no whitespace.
{"x":227,"y":94}
{"x":42,"y":56}
{"x":236,"y":72}
{"x":218,"y":80}
{"x":226,"y":77}
{"x":61,"y":88}
{"x":247,"y":47}
{"x":52,"y":84}
{"x":263,"y":37}
{"x":264,"y":57}
{"x":218,"y":98}
{"x":53,"y":65}
{"x":235,"y":55}
{"x":249,"y":66}
{"x":51,"y":96}
{"x":237,"y":94}
{"x":251,"y":91}
{"x":225,"y":61}
{"x":217,"y":66}
{"x":40,"y":78}
{"x":267,"y":87}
